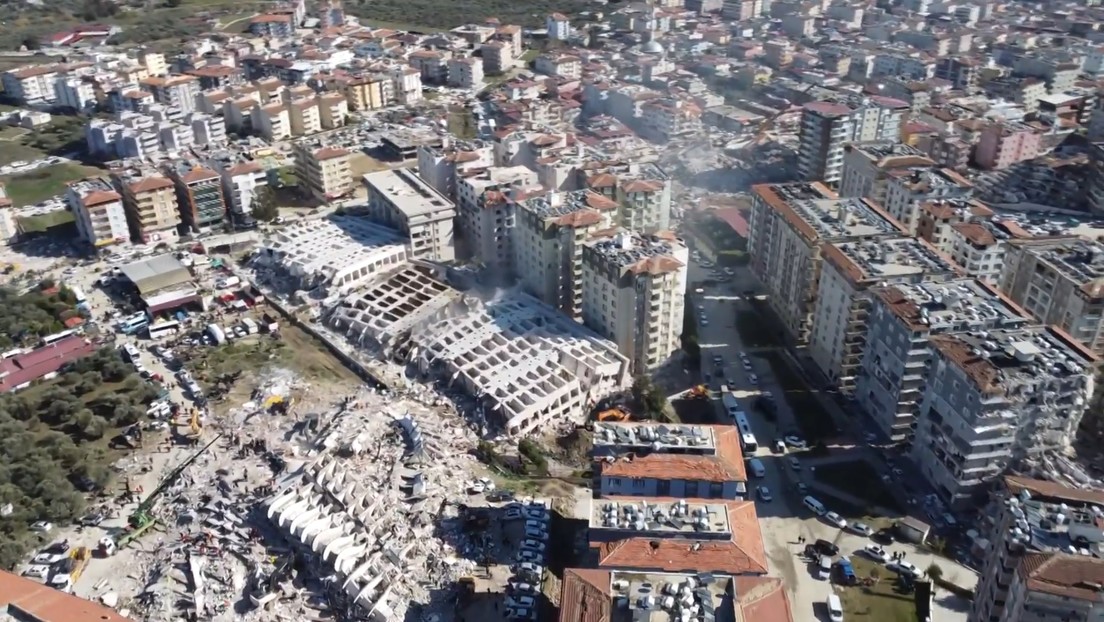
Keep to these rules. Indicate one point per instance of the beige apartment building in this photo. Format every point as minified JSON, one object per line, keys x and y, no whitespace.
{"x":273,"y":121}
{"x":634,"y":288}
{"x":790,"y":224}
{"x":304,"y":117}
{"x":324,"y":172}
{"x":1061,"y":282}
{"x":402,"y":200}
{"x":333,"y":109}
{"x":152,"y":210}
{"x":98,"y":211}
{"x":549,"y":235}
{"x":368,"y":92}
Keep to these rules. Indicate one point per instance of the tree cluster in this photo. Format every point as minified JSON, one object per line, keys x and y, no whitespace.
{"x":24,"y":318}
{"x":649,"y":400}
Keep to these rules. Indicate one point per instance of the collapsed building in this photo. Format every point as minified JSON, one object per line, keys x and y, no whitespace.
{"x":524,"y":362}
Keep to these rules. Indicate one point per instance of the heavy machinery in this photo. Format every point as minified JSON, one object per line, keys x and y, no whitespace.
{"x":142,"y":518}
{"x":617,"y":413}
{"x":67,"y":574}
{"x":193,"y":423}
{"x":698,"y":392}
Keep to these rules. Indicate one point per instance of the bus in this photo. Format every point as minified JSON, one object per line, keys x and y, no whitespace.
{"x":747,"y":437}
{"x":56,"y":337}
{"x":163,"y":329}
{"x":748,"y":443}
{"x":133,"y":324}
{"x":79,"y":295}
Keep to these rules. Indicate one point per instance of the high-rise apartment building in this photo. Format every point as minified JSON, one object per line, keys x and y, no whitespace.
{"x":641,"y":190}
{"x":199,"y":196}
{"x":404,"y":201}
{"x":324,"y":172}
{"x":1061,"y":282}
{"x":548,"y":244}
{"x":98,"y":211}
{"x":151,"y":207}
{"x":899,"y":326}
{"x":487,"y":204}
{"x":908,"y":189}
{"x":1038,"y":566}
{"x":998,"y":399}
{"x":790,"y":224}
{"x":177,"y":92}
{"x":849,"y":271}
{"x":826,"y":127}
{"x":634,"y":288}
{"x":867,"y":167}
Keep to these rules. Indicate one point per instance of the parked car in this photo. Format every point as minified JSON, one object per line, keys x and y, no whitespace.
{"x":533,"y":545}
{"x":861,"y":528}
{"x":38,"y":571}
{"x":514,"y":602}
{"x":824,"y":547}
{"x":512,"y":514}
{"x":795,"y":464}
{"x":795,"y":441}
{"x":833,"y":518}
{"x":902,"y":567}
{"x":876,"y":553}
{"x":526,"y":555}
{"x":42,"y":527}
{"x":764,"y":493}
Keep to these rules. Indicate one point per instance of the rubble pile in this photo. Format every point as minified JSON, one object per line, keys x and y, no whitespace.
{"x":368,"y":506}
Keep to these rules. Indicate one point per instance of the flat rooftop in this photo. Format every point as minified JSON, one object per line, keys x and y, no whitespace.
{"x":651,"y":516}
{"x":891,"y":154}
{"x":408,"y":192}
{"x":868,"y":261}
{"x":328,"y":247}
{"x":1035,"y":515}
{"x":1000,"y":359}
{"x":1081,"y":261}
{"x":671,"y":462}
{"x":932,"y":182}
{"x":655,"y":437}
{"x":618,"y":596}
{"x":638,"y":253}
{"x":963,"y":304}
{"x":576,"y":208}
{"x":156,"y":274}
{"x":818,"y":215}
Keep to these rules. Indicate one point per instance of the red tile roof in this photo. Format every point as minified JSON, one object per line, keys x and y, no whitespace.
{"x":584,"y":596}
{"x":743,"y":554}
{"x":23,"y":368}
{"x":726,"y":465}
{"x":22,"y":599}
{"x":762,"y":599}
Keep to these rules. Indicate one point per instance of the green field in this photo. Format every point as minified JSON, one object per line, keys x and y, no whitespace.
{"x":46,"y":182}
{"x":877,"y":603}
{"x":14,"y":151}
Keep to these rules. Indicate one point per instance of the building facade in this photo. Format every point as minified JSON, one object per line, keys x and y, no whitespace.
{"x":401,"y":199}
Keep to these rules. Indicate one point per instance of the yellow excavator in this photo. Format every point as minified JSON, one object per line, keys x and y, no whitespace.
{"x":700,"y":391}
{"x":194,"y":424}
{"x":617,"y":413}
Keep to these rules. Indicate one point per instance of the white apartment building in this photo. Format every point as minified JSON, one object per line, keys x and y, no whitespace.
{"x":9,"y":228}
{"x":440,"y":167}
{"x":867,"y":165}
{"x":465,"y":73}
{"x":995,"y":400}
{"x":634,"y":289}
{"x":99,"y":213}
{"x":559,"y":27}
{"x":498,"y":58}
{"x":73,"y":92}
{"x":548,"y":244}
{"x":408,"y":85}
{"x":32,"y":84}
{"x":175,"y":136}
{"x":486,"y":202}
{"x":901,"y":321}
{"x":642,"y":191}
{"x":1027,"y":546}
{"x":240,"y":184}
{"x":908,"y":189}
{"x":561,"y":65}
{"x":403,"y":201}
{"x":789,"y":225}
{"x":207,"y":130}
{"x":826,"y":127}
{"x":979,"y":248}
{"x":273,"y":122}
{"x":905,"y":67}
{"x":1061,"y":282}
{"x":849,"y":271}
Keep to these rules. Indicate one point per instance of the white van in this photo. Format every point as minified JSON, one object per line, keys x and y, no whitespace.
{"x":816,"y":506}
{"x":835,"y":608}
{"x":755,"y":465}
{"x":825,"y":566}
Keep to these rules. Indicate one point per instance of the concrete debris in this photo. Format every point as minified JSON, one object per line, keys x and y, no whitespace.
{"x":314,"y":510}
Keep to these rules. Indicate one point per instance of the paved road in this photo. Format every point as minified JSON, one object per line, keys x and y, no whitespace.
{"x":785,"y":517}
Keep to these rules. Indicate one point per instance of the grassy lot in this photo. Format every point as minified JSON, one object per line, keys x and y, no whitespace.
{"x":530,"y":55}
{"x":878,"y":603}
{"x":15,"y":151}
{"x":858,"y":478}
{"x":44,"y":222}
{"x":461,"y":124}
{"x":46,"y":182}
{"x":8,"y":132}
{"x":815,"y":422}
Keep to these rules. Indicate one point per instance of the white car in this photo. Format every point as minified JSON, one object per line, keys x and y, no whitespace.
{"x":795,"y":441}
{"x":47,"y":559}
{"x":747,"y":364}
{"x":514,"y":602}
{"x":42,"y":527}
{"x":903,"y":567}
{"x":525,"y":555}
{"x":476,"y":488}
{"x":38,"y":571}
{"x":753,"y":379}
{"x":764,"y":493}
{"x":862,"y":529}
{"x":876,"y":553}
{"x":512,"y":514}
{"x":531,"y":569}
{"x":835,"y":519}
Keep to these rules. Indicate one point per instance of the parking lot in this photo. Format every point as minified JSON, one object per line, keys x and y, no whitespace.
{"x":788,"y":525}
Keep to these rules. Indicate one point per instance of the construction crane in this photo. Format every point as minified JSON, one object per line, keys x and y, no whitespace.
{"x":142,"y":519}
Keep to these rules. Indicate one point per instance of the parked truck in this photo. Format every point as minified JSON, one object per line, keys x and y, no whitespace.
{"x":270,"y":323}
{"x":216,"y":333}
{"x":250,"y":326}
